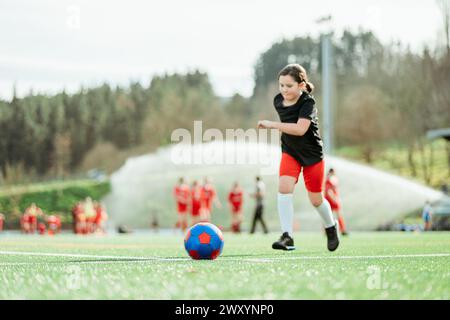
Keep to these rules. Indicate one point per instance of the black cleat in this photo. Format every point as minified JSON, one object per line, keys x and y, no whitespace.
{"x":333,"y":240}
{"x":285,"y":243}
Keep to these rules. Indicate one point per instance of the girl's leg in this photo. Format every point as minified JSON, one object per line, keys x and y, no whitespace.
{"x":323,"y":207}
{"x":290,"y":169}
{"x":285,"y":203}
{"x":314,"y":177}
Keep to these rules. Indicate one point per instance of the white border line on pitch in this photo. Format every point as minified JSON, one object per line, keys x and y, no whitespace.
{"x":129,"y":259}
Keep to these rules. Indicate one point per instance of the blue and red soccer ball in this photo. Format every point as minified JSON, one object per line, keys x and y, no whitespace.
{"x":203,"y":241}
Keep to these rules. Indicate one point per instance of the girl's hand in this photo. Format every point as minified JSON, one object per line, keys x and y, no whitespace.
{"x":265,"y":124}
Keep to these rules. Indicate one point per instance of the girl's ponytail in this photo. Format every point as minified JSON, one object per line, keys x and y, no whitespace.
{"x":298,"y":73}
{"x":309,"y":87}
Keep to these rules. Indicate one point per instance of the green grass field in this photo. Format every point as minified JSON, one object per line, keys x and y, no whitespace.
{"x":155,"y":266}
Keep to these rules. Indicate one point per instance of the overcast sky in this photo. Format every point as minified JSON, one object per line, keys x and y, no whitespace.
{"x":50,"y":45}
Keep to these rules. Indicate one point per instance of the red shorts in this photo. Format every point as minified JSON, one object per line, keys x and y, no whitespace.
{"x":236,"y":207}
{"x":182,"y":208}
{"x":313,"y":174}
{"x":196,"y":209}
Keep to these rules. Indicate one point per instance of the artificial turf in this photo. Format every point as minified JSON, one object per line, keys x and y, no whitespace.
{"x":371,"y":265}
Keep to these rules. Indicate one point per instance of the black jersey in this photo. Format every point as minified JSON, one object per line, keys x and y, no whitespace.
{"x":306,"y":149}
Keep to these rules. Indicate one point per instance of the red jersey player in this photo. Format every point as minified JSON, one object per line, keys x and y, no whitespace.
{"x":209,"y":196}
{"x":42,"y":228}
{"x":196,"y":201}
{"x":2,"y":221}
{"x":30,"y":217}
{"x":332,"y":195}
{"x":235,"y":198}
{"x":79,"y":219}
{"x":90,"y":214}
{"x":100,"y":217}
{"x":182,"y":196}
{"x":54,"y":224}
{"x":25,"y":223}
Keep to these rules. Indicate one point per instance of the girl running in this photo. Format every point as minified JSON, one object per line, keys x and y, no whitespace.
{"x":302,"y":149}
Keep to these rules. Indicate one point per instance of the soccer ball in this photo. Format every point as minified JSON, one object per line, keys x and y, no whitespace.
{"x":203,"y":241}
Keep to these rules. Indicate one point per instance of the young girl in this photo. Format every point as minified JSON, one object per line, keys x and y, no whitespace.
{"x":302,"y":149}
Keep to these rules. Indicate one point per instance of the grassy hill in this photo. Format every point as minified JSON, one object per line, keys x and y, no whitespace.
{"x":394,"y":159}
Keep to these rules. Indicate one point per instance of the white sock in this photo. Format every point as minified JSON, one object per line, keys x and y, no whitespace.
{"x":286,"y":212}
{"x":325,"y":213}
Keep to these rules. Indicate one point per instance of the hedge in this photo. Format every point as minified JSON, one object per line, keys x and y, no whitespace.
{"x":53,"y":198}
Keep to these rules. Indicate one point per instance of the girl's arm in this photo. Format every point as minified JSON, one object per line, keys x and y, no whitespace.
{"x":295,"y":129}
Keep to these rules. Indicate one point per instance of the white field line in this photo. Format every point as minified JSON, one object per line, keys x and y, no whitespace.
{"x":6,"y":264}
{"x":399,"y":256}
{"x":90,"y":256}
{"x":129,"y":259}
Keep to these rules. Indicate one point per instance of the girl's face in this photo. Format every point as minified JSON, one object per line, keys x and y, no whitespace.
{"x":289,"y":88}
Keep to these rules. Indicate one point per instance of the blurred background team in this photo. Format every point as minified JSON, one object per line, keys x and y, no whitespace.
{"x":29,"y":220}
{"x":88,"y":217}
{"x":195,"y":203}
{"x":198,"y":202}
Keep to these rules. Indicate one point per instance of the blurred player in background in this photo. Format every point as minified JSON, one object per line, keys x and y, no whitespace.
{"x":196,"y":202}
{"x":2,"y":221}
{"x":182,"y":196}
{"x":100,"y":218}
{"x":235,"y":199}
{"x":42,"y":228}
{"x":209,"y":196}
{"x":54,"y":224}
{"x":90,"y":214}
{"x":427,"y":214}
{"x":75,"y":211}
{"x":30,"y":218}
{"x":259,"y":195}
{"x":332,"y":195}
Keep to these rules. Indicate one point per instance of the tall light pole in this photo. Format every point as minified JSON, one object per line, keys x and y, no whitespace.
{"x":327,"y":87}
